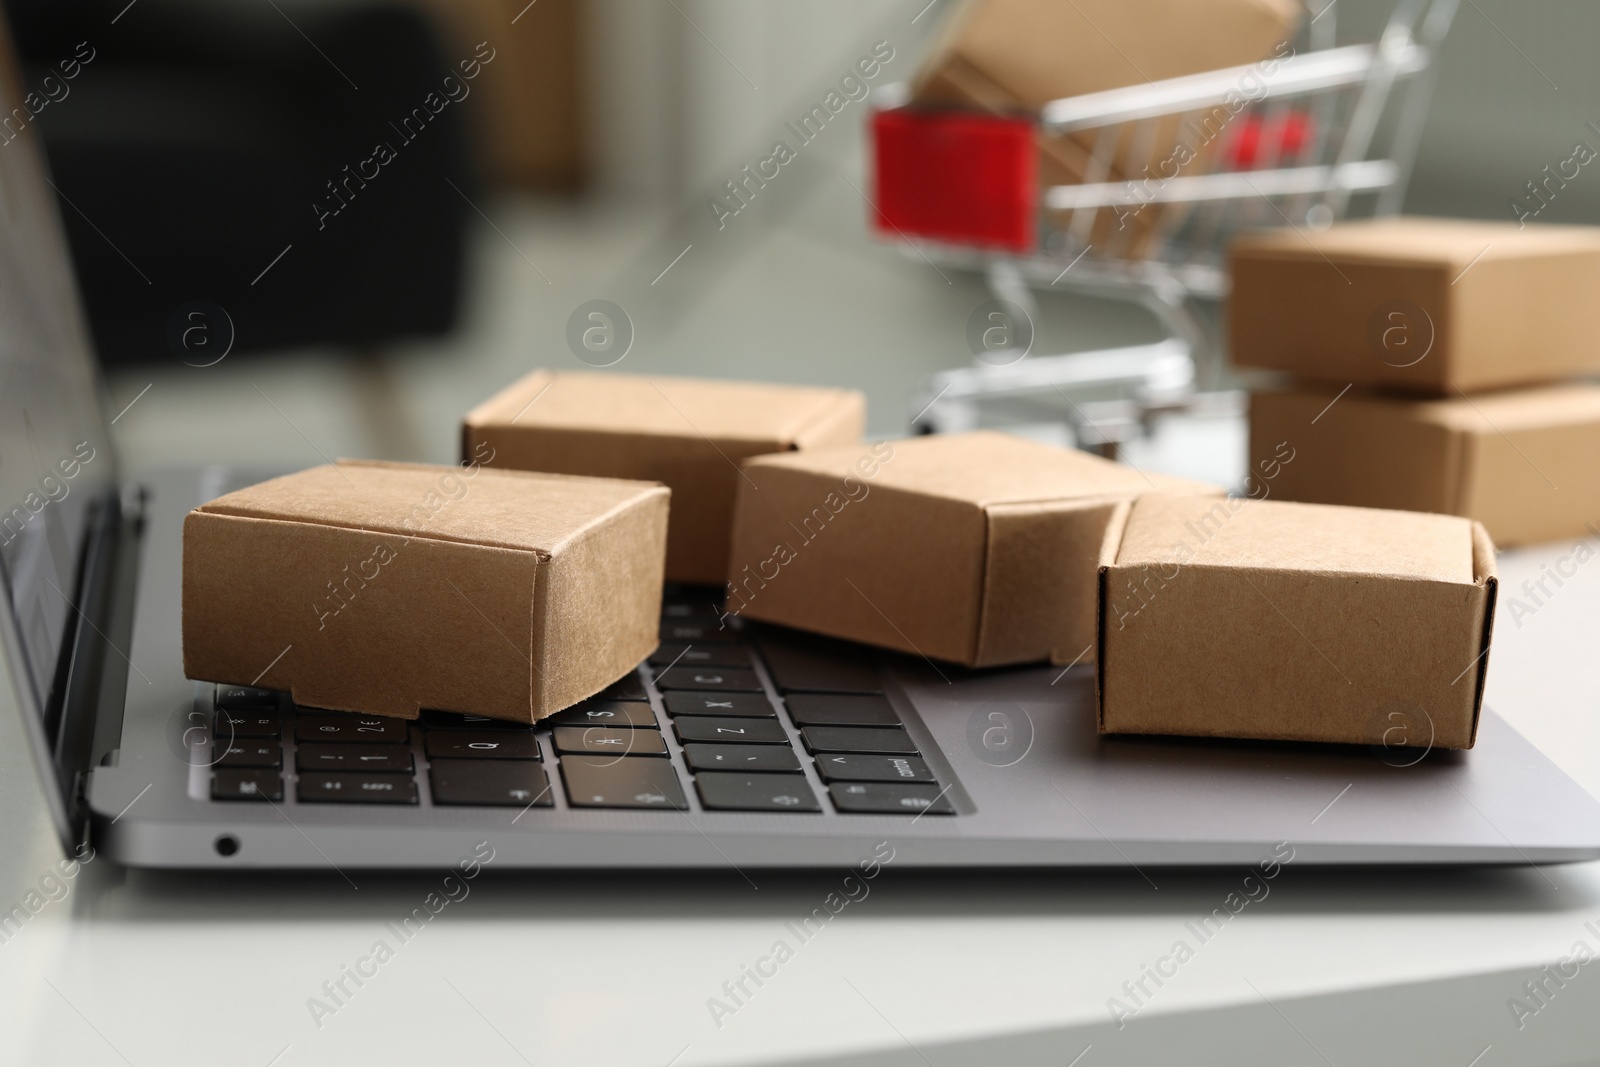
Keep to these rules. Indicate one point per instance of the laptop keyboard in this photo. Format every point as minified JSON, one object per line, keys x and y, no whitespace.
{"x":724,"y":735}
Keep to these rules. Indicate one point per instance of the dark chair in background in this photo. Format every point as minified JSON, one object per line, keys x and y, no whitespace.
{"x":202,"y":155}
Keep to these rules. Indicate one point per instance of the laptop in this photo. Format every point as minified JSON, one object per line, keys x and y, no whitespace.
{"x":733,"y":746}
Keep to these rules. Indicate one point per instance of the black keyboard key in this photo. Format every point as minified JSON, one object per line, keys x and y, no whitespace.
{"x":704,"y":632}
{"x":709,"y":679}
{"x":608,"y":782}
{"x":622,"y":714}
{"x":246,"y":698}
{"x":453,"y":720}
{"x":835,"y":709}
{"x":247,"y":752}
{"x":482,"y":744}
{"x":246,"y":785}
{"x":372,"y":759}
{"x":485,"y":784}
{"x":858,"y":739}
{"x":889,"y":798}
{"x":702,"y":607}
{"x":710,"y":654}
{"x":734,"y":731}
{"x":630,"y":687}
{"x":353,"y":787}
{"x":808,"y":663}
{"x":744,"y":758}
{"x":604,"y":741}
{"x":727,"y":705}
{"x":232,"y":724}
{"x":334,"y":726}
{"x":756,"y":792}
{"x":851,"y":767}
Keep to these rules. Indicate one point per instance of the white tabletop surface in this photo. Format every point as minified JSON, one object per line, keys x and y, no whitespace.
{"x":1345,"y":968}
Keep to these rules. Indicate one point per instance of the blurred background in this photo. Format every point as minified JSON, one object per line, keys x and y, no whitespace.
{"x":223,"y":156}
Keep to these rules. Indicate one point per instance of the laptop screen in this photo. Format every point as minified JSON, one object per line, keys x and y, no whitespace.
{"x":55,"y":454}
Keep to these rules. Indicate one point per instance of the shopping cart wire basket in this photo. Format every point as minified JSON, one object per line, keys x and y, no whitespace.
{"x":1166,"y":173}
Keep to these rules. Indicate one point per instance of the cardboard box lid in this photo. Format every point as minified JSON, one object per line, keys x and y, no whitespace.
{"x":1041,"y":50}
{"x":1449,"y":244}
{"x":1314,"y":538}
{"x":390,"y":498}
{"x":988,"y":469}
{"x":768,"y":417}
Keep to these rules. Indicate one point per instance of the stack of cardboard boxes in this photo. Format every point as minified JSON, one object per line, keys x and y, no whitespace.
{"x":1437,"y":365}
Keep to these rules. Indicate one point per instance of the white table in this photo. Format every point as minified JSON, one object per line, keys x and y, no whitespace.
{"x":1003,"y":970}
{"x":1354,"y":967}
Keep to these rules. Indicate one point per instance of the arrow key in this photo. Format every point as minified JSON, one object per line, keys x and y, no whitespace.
{"x":722,"y":791}
{"x":890,"y":798}
{"x":489,"y":783}
{"x":622,"y":782}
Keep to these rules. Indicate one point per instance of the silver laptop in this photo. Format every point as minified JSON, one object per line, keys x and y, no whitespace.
{"x":734,"y":746}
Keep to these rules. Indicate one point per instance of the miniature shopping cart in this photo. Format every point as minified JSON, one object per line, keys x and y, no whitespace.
{"x":1163,"y":175}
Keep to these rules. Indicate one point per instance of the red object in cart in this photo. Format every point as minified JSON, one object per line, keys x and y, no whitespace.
{"x":958,"y":177}
{"x":1260,"y":140}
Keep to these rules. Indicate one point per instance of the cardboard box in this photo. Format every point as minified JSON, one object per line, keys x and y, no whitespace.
{"x":687,"y":433}
{"x":1001,"y":53}
{"x":978,"y":548}
{"x":1429,"y":306}
{"x":1294,"y":622}
{"x":387,"y":588}
{"x":1521,"y":462}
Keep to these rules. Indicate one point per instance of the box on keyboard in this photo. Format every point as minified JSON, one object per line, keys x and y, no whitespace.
{"x":687,"y":433}
{"x":388,"y":588}
{"x":1294,"y":622}
{"x":978,"y":548}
